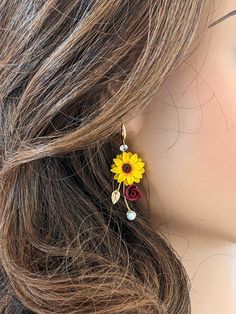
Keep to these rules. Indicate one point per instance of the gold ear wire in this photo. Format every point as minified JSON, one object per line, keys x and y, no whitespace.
{"x":123,"y":132}
{"x":128,"y":169}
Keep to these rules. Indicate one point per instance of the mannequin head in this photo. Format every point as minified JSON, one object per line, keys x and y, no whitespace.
{"x":72,"y":72}
{"x":186,"y":135}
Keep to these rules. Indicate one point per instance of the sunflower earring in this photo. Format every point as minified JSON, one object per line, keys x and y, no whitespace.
{"x":128,"y":168}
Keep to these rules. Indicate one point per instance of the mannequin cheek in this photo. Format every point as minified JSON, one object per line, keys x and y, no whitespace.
{"x":193,"y":182}
{"x":196,"y":187}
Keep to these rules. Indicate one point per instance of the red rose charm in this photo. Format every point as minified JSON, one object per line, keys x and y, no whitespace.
{"x":132,"y":192}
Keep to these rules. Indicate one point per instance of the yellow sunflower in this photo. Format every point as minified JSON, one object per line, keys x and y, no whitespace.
{"x":128,"y":167}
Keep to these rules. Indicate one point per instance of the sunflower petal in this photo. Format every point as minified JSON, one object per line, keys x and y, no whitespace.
{"x":133,"y":158}
{"x":116,"y":170}
{"x":140,"y":164}
{"x":116,"y":176}
{"x":137,"y":180}
{"x":141,"y":170}
{"x":134,"y":167}
{"x":117,"y":161}
{"x":137,"y":174}
{"x":125,"y":157}
{"x":122,"y":177}
{"x":130,"y":179}
{"x":119,"y":157}
{"x":126,"y":182}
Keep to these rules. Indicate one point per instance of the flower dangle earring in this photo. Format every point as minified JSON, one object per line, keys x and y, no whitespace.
{"x":128,"y":168}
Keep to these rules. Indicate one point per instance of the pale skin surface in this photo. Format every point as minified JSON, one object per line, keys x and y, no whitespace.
{"x":192,"y":184}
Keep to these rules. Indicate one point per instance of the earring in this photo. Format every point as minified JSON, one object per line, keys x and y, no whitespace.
{"x":128,"y":168}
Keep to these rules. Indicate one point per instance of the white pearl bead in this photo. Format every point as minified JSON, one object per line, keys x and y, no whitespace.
{"x":131,"y":215}
{"x":123,"y":147}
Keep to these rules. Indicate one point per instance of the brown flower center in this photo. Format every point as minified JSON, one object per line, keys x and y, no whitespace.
{"x":126,"y":168}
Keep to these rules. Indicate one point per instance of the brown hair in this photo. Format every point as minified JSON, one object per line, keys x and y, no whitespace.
{"x":71,"y":72}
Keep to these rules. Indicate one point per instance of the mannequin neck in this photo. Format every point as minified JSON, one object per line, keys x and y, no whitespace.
{"x":210,"y":262}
